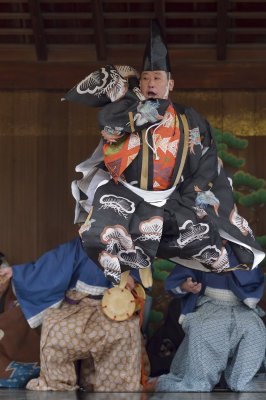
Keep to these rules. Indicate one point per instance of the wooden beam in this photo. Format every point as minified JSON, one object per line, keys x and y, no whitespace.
{"x":15,"y":31}
{"x":190,"y":75}
{"x":158,"y":7}
{"x":14,"y":1}
{"x":98,"y":22}
{"x":66,"y":15}
{"x":190,"y":15}
{"x":222,"y":18}
{"x":38,"y":31}
{"x":69,"y":31}
{"x":194,"y":1}
{"x":124,"y":31}
{"x":131,"y":55}
{"x":14,"y":15}
{"x":128,"y":1}
{"x":61,"y":1}
{"x":248,"y":31}
{"x":248,"y":1}
{"x":174,"y":31}
{"x":247,"y":15}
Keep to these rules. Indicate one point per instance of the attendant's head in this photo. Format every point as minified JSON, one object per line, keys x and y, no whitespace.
{"x":4,"y":281}
{"x":156,"y":81}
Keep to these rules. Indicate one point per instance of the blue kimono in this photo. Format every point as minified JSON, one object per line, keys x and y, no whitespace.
{"x":62,"y":290}
{"x":223,"y":331}
{"x":247,"y":286}
{"x":43,"y":284}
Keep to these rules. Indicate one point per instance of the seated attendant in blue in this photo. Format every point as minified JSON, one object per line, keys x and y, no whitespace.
{"x":62,"y":290}
{"x":223,"y":330}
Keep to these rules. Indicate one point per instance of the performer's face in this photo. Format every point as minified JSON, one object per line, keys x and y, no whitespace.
{"x":155,"y":84}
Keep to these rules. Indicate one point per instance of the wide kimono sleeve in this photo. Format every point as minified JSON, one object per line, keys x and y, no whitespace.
{"x":209,"y":213}
{"x":248,"y":285}
{"x":201,"y":168}
{"x":43,"y":283}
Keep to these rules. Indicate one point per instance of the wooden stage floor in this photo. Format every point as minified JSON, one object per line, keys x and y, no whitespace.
{"x":22,"y":394}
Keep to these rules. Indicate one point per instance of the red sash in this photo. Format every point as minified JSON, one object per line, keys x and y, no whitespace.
{"x":118,"y":155}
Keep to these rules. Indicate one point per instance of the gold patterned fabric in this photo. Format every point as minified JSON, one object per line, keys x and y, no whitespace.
{"x":82,"y":331}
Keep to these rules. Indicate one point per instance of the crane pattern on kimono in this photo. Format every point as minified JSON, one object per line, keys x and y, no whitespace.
{"x":194,"y":139}
{"x":147,"y":112}
{"x":112,"y":134}
{"x":205,"y":198}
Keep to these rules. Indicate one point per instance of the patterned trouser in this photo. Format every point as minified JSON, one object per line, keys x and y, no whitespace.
{"x":82,"y":331}
{"x":220,"y":337}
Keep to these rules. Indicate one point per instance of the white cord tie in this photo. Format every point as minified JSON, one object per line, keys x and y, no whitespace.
{"x":157,"y":124}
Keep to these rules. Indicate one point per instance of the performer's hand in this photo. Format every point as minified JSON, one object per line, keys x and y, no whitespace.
{"x":196,"y":188}
{"x":190,"y":286}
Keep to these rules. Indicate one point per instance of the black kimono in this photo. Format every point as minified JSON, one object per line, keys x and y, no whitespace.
{"x":127,"y":222}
